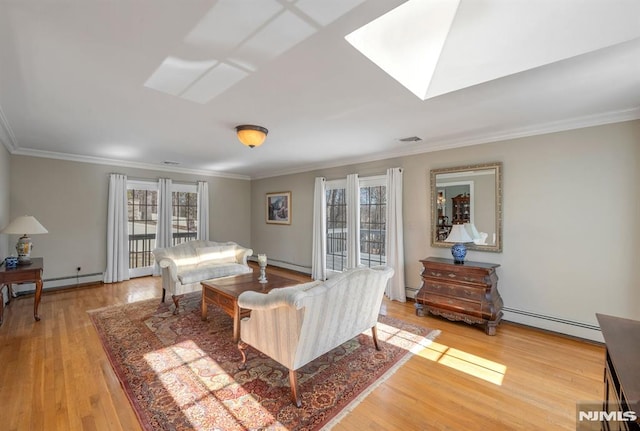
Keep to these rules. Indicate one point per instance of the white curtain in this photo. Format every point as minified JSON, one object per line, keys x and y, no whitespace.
{"x":203,"y":210}
{"x":353,"y":221}
{"x":319,"y":251}
{"x":117,"y":231}
{"x":165,"y":217}
{"x":394,"y":243}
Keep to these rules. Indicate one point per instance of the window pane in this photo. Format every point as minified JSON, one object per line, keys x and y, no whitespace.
{"x":185,"y":214}
{"x":373,"y":214}
{"x":142,"y":213}
{"x":336,"y":229}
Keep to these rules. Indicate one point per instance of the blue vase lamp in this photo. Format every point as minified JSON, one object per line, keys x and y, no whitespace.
{"x":459,"y":237}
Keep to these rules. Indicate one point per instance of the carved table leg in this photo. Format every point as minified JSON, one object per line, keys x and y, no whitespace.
{"x":236,"y":322}
{"x":36,"y":301}
{"x":2,"y":301}
{"x":203,"y":308}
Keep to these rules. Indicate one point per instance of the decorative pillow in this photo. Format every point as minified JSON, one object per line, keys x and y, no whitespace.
{"x":220,"y":254}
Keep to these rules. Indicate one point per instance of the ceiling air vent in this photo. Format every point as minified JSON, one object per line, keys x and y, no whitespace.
{"x":170,"y":163}
{"x":410,"y":139}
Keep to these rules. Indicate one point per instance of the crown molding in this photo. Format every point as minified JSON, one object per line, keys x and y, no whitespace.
{"x":418,"y":148}
{"x":448,"y":144}
{"x":123,"y":163}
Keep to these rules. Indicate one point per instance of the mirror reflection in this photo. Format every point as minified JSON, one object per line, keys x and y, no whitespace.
{"x":472,"y":196}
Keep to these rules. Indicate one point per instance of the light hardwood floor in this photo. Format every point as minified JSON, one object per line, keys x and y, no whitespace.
{"x":54,"y":374}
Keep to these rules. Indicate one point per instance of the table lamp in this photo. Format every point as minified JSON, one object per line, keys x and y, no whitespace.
{"x":459,"y":236}
{"x":25,"y":225}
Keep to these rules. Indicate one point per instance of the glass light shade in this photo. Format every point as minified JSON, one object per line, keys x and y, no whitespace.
{"x":458,"y":234}
{"x":251,"y":136}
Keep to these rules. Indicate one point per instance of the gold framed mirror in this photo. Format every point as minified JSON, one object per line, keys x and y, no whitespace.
{"x":469,"y":195}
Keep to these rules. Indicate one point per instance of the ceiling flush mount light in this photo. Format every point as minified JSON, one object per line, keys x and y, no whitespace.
{"x":251,"y":136}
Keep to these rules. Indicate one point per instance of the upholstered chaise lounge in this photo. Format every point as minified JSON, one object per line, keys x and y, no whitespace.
{"x":185,"y":265}
{"x":294,"y":325}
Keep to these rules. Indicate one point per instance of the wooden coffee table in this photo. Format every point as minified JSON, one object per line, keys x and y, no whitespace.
{"x":224,"y":293}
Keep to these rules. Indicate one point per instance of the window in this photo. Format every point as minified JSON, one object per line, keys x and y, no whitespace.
{"x":142,"y":207}
{"x":373,"y":222}
{"x":185,"y":213}
{"x":336,"y":225}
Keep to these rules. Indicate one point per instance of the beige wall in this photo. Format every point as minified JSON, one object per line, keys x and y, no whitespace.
{"x":5,"y":247}
{"x":70,"y":200}
{"x":571,"y":205}
{"x":5,"y":169}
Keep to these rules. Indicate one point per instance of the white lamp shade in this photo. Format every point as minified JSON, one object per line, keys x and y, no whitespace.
{"x":458,"y":234}
{"x":25,"y":225}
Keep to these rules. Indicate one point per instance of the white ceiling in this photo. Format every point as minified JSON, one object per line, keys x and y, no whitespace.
{"x":140,"y":82}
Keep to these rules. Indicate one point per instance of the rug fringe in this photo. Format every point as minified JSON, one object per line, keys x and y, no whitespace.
{"x":431,"y":336}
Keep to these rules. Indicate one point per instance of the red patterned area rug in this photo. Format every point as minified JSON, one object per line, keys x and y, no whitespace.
{"x":181,"y":373}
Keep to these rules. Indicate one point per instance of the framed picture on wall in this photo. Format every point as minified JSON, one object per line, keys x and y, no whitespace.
{"x":278,"y":209}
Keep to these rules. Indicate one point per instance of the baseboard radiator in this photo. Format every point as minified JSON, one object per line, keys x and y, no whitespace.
{"x":285,"y":265}
{"x":554,"y":324}
{"x":58,"y":283}
{"x":542,"y":321}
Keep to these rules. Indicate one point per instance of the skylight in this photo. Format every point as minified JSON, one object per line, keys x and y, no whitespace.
{"x":433,"y":47}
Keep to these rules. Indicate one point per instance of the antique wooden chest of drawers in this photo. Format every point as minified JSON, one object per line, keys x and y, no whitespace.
{"x":467,"y":292}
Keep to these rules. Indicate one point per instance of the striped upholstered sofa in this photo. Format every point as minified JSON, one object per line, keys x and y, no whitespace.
{"x":294,"y":325}
{"x":185,"y":265}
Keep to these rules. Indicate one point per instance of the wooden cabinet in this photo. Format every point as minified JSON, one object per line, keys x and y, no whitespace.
{"x":467,"y":292}
{"x":461,"y":210}
{"x":621,"y":373}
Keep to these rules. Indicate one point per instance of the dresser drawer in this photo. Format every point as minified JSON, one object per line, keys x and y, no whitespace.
{"x":224,"y":302}
{"x":471,"y":308}
{"x":453,"y":273}
{"x":454,"y":290}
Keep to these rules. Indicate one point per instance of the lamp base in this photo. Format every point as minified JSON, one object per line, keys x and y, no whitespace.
{"x":23,"y":247}
{"x":24,"y":260}
{"x":459,"y":252}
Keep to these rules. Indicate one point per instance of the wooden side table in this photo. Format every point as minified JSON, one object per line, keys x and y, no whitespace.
{"x":31,"y":273}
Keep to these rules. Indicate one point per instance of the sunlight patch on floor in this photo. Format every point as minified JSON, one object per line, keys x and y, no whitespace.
{"x":194,"y":401}
{"x":473,"y":365}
